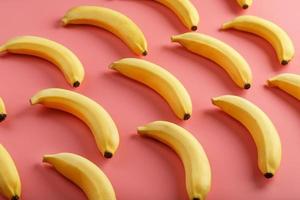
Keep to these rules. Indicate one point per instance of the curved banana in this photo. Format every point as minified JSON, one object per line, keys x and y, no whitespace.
{"x":49,"y":50}
{"x":245,"y":3}
{"x":10,"y":184}
{"x":271,"y":32}
{"x":219,"y":52}
{"x":290,"y":83}
{"x":260,"y":127}
{"x":96,"y":118}
{"x":3,"y":113}
{"x":196,"y":164}
{"x":160,"y":80}
{"x":110,"y":20}
{"x":185,"y":10}
{"x":84,"y":174}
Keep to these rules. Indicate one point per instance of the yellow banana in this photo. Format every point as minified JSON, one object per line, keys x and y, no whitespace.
{"x":110,"y":20}
{"x":245,"y":3}
{"x":84,"y":174}
{"x":196,"y":164}
{"x":49,"y":50}
{"x":271,"y":32}
{"x":96,"y":118}
{"x":289,"y":83}
{"x":3,"y":113}
{"x":219,"y":52}
{"x":159,"y":80}
{"x":260,"y":127}
{"x":10,"y":184}
{"x":185,"y":10}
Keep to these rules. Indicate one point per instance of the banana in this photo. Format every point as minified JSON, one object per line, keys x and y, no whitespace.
{"x":219,"y":52}
{"x":110,"y":20}
{"x":10,"y":184}
{"x":160,"y":80}
{"x":245,"y":3}
{"x":185,"y":10}
{"x":3,"y":113}
{"x":260,"y":127}
{"x":84,"y":174}
{"x":49,"y":50}
{"x":196,"y":164}
{"x":96,"y":118}
{"x":289,"y":83}
{"x":271,"y":32}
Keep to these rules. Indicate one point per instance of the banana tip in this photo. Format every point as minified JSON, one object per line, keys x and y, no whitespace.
{"x":2,"y":117}
{"x":213,"y":101}
{"x":145,"y":53}
{"x":270,"y":83}
{"x":245,"y":6}
{"x":186,"y":116}
{"x":15,"y":197}
{"x":194,"y":28}
{"x":173,"y":38}
{"x":64,"y":21}
{"x":196,"y":198}
{"x":284,"y":62}
{"x":45,"y":158}
{"x":247,"y":86}
{"x":76,"y":84}
{"x":225,"y":26}
{"x":268,"y":175}
{"x":108,"y":154}
{"x":141,"y":129}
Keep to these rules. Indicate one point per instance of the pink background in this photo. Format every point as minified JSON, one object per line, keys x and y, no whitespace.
{"x":142,"y":168}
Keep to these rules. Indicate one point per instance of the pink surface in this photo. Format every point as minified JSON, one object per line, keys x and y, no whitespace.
{"x":142,"y":168}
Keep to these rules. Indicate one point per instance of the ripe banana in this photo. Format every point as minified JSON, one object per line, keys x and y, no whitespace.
{"x":160,"y":80}
{"x":185,"y":10}
{"x":10,"y":184}
{"x":219,"y":52}
{"x":260,"y":127}
{"x":3,"y":113}
{"x":245,"y":3}
{"x":96,"y":118}
{"x":289,"y":83}
{"x":271,"y":32}
{"x":84,"y":174}
{"x":196,"y":164}
{"x":112,"y":21}
{"x":49,"y":50}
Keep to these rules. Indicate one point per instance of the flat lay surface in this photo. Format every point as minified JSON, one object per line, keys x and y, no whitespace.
{"x":143,"y":168}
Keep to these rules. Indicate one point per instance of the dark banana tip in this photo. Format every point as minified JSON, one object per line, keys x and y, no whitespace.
{"x":194,"y":28}
{"x":145,"y":53}
{"x":196,"y":198}
{"x":186,"y":116}
{"x":268,"y":175}
{"x":245,"y":6}
{"x":247,"y":86}
{"x":284,"y":62}
{"x":2,"y":117}
{"x":108,"y":154}
{"x":16,"y":197}
{"x":76,"y":84}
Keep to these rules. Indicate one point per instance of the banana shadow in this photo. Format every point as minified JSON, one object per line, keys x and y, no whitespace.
{"x":164,"y":12}
{"x":239,"y":131}
{"x":234,"y":7}
{"x":261,"y":43}
{"x":221,"y":77}
{"x":77,"y":132}
{"x":55,"y":183}
{"x":52,"y":73}
{"x":154,"y":101}
{"x":169,"y":160}
{"x":107,"y":40}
